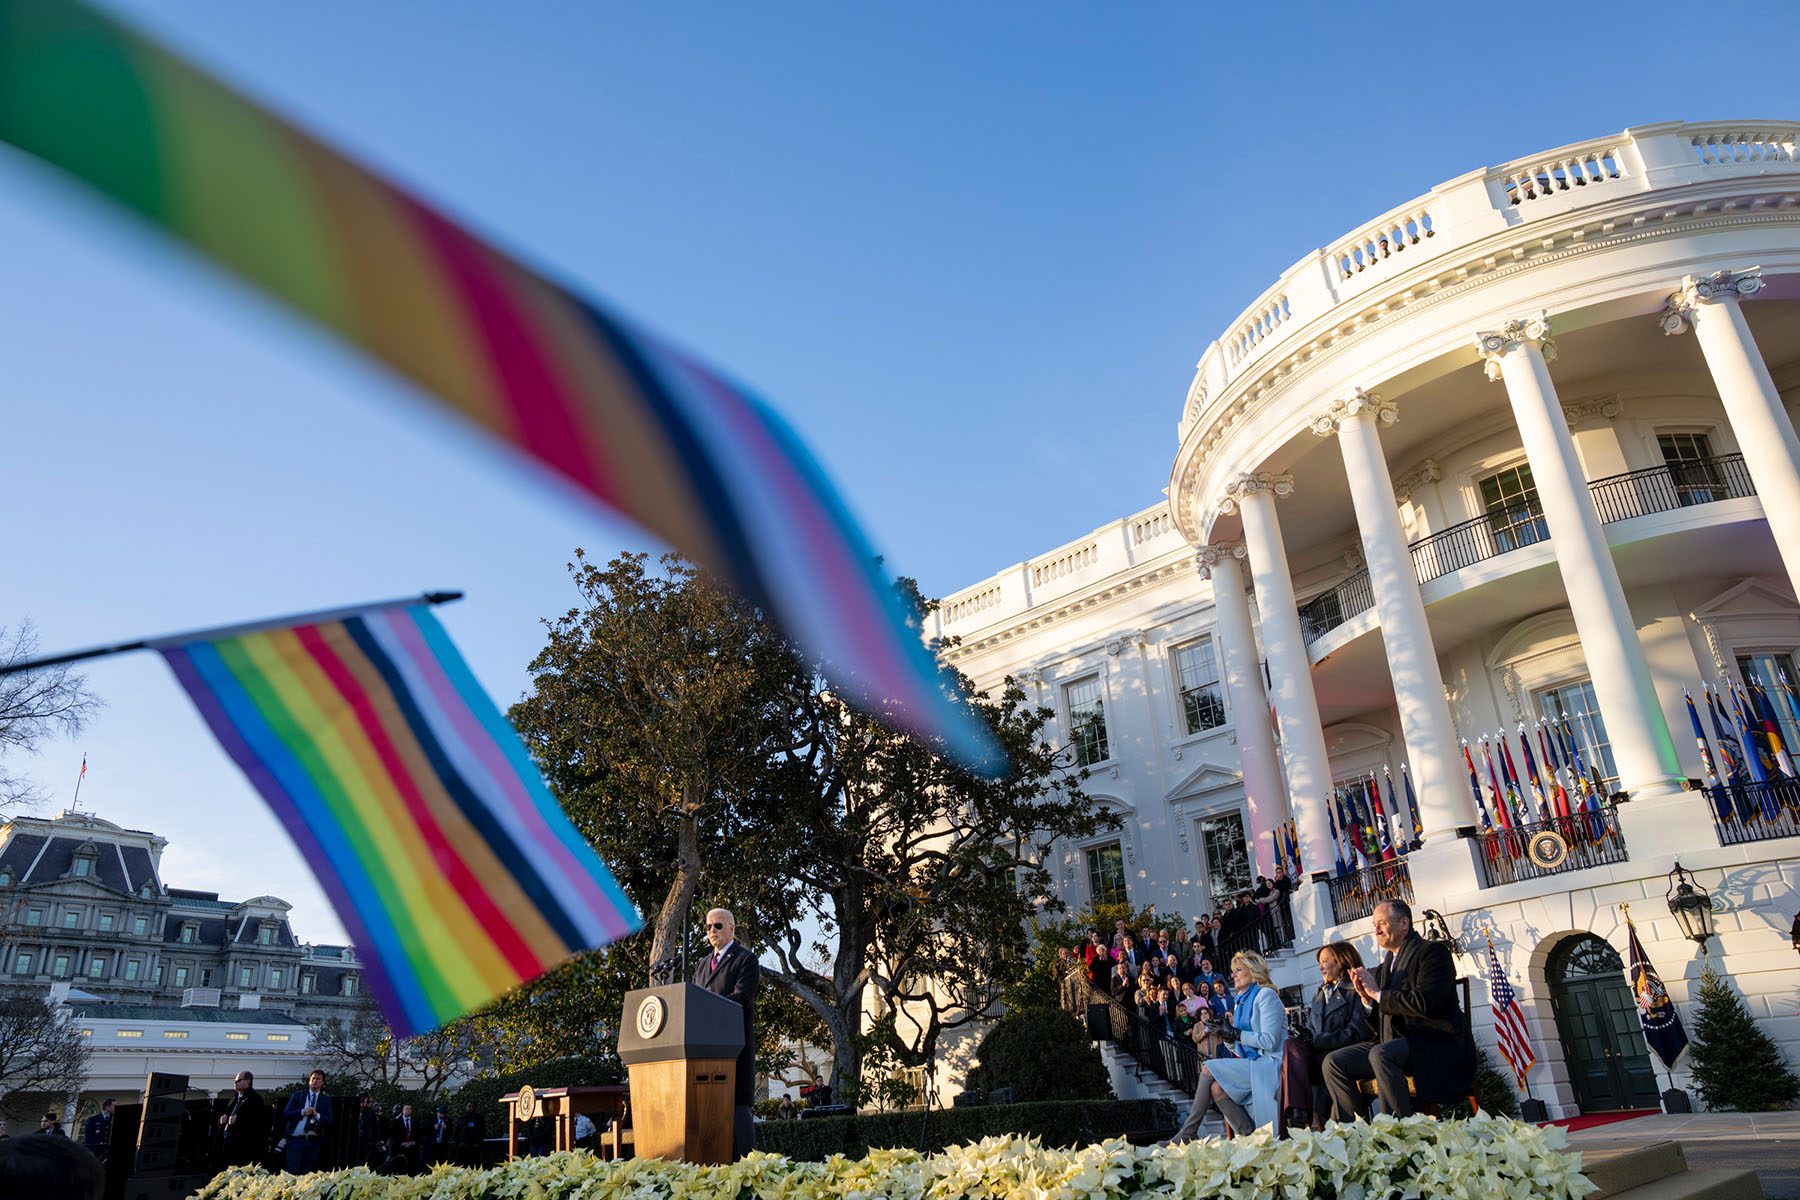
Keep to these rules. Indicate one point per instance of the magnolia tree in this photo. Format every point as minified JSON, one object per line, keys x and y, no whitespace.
{"x":710,"y":765}
{"x":34,"y":706}
{"x":360,"y":1047}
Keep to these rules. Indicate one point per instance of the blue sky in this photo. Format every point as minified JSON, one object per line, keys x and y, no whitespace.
{"x":972,"y":251}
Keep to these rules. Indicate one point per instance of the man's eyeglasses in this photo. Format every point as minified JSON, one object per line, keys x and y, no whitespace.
{"x":715,"y":925}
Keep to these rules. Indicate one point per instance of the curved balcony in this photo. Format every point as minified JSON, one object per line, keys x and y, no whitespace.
{"x":1616,"y":498}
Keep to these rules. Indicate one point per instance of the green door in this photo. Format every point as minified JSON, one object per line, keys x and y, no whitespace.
{"x":1603,"y":1041}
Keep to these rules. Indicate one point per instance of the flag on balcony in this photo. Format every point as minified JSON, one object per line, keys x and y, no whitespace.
{"x":1662,"y":1024}
{"x":1790,"y":702}
{"x":1756,"y":756}
{"x":1489,"y":843}
{"x":1721,"y":802}
{"x":1539,"y":803}
{"x":1771,"y":728}
{"x":1510,"y":1032}
{"x":1293,"y":847}
{"x":1383,"y":839}
{"x":1412,"y":807}
{"x":1515,"y":790}
{"x":1553,"y":764}
{"x":1730,"y":753}
{"x":1337,"y":845}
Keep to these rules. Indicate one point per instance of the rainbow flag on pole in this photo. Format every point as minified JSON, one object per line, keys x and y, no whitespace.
{"x":412,"y":799}
{"x":636,"y":424}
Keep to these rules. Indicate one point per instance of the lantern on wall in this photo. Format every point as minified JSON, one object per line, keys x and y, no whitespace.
{"x":1691,"y":906}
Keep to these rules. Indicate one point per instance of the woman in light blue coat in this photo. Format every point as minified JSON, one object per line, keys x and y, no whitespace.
{"x":1247,"y":1085}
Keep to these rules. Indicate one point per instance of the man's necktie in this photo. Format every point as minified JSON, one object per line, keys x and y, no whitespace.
{"x":715,"y":962}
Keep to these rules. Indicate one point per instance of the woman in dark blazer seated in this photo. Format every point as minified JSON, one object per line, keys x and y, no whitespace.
{"x":1335,"y":1019}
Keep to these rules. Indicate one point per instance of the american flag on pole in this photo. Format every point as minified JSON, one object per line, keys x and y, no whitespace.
{"x":1509,"y":1020}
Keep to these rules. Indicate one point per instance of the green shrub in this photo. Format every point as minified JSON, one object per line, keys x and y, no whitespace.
{"x":1041,"y":1054}
{"x":1737,"y":1067}
{"x":1056,"y":1123}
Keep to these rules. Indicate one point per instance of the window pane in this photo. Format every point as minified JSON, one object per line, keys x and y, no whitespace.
{"x":1087,"y":722}
{"x":1515,"y":518}
{"x":1577,"y":703}
{"x":131,"y":968}
{"x":1197,"y":673}
{"x":1106,"y":874}
{"x":106,"y":921}
{"x":1227,"y":856}
{"x":22,"y":965}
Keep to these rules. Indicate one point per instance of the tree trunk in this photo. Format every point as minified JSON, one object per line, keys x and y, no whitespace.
{"x":672,"y":919}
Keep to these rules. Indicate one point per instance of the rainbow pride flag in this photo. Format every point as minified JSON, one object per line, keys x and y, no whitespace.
{"x":412,"y":799}
{"x":626,"y":418}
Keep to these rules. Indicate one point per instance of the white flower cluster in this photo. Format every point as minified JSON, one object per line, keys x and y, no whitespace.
{"x":1487,"y":1158}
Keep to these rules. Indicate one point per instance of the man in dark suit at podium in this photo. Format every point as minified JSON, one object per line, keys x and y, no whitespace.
{"x":733,"y":972}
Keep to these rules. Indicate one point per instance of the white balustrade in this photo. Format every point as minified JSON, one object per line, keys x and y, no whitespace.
{"x":1065,"y":563}
{"x":968,"y":604}
{"x":1157,"y":524}
{"x":1730,"y":146}
{"x":1384,"y":239}
{"x":1258,"y":328}
{"x":1549,"y":177}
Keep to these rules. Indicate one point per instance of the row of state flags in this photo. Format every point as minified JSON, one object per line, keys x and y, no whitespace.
{"x":1661,"y":1023}
{"x":1747,"y":729}
{"x":1369,"y":828}
{"x":1560,"y":783}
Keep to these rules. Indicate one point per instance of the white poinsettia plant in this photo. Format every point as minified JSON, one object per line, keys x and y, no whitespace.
{"x":1486,"y":1158}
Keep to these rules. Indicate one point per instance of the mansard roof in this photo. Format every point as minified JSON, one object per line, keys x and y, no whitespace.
{"x":170,"y":1012}
{"x":37,"y":859}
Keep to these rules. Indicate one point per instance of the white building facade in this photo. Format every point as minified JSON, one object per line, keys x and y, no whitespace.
{"x":1520,"y":450}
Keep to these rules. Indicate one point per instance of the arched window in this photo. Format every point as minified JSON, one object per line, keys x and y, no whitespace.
{"x":1585,"y":958}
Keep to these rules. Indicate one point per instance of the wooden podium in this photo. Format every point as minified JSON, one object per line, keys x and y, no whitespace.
{"x":681,"y":1043}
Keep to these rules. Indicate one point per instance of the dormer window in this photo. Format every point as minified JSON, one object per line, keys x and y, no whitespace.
{"x":5,"y":878}
{"x":145,"y":892}
{"x":349,"y":985}
{"x":265,"y":936}
{"x":83,"y":867}
{"x":190,"y":932}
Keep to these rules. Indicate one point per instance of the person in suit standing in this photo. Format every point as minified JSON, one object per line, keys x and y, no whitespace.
{"x":471,"y":1132}
{"x":304,"y":1123}
{"x":406,"y":1134}
{"x":1410,"y":1000}
{"x":733,"y":972}
{"x":244,"y":1125}
{"x":96,"y":1131}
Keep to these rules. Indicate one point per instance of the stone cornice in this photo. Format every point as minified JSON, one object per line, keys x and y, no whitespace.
{"x":1495,"y":344}
{"x":1715,"y":288}
{"x":1444,"y":281}
{"x":1034,"y":619}
{"x":1357,"y":404}
{"x":1249,"y":485}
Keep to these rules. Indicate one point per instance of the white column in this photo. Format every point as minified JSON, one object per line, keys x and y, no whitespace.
{"x":1296,"y":706}
{"x":1432,"y":749}
{"x":1758,"y":418}
{"x":1223,"y":564}
{"x":1642,"y":747}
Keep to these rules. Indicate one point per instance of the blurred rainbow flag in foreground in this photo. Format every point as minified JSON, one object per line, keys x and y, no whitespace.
{"x":452,"y":867}
{"x":635,"y":423}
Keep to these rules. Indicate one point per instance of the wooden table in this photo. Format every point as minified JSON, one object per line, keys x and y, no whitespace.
{"x":562,"y":1105}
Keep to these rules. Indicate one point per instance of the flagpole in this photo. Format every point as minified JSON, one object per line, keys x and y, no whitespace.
{"x":79,"y":776}
{"x":225,"y":631}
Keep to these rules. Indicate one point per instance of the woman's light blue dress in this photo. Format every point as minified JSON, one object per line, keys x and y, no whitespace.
{"x":1254,"y":1080}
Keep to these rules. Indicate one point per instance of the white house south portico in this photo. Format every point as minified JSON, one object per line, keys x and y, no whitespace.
{"x":1452,"y":477}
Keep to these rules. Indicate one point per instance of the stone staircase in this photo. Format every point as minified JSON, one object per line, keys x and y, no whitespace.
{"x":1659,"y":1171}
{"x":1132,"y":1082}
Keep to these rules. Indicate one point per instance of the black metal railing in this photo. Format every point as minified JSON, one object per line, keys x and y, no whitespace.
{"x":1355,"y":894}
{"x":1487,"y":536}
{"x":1272,"y":930}
{"x":1671,"y":486}
{"x":1327,"y":611}
{"x":1169,"y":1056}
{"x":1755,"y":812}
{"x":1586,"y":840}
